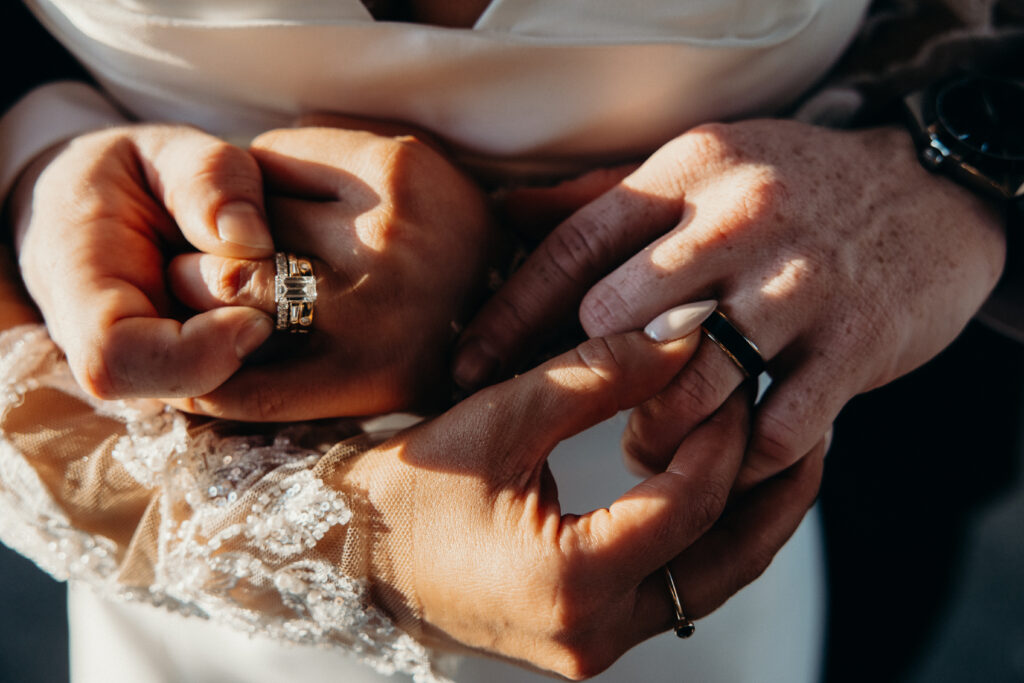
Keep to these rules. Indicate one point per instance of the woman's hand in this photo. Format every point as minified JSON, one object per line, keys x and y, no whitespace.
{"x":94,"y":221}
{"x":835,"y":252}
{"x":400,"y":243}
{"x":470,"y":546}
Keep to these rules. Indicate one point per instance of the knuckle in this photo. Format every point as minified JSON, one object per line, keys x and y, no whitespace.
{"x":414,"y":146}
{"x":95,"y":371}
{"x":695,"y":395}
{"x":707,"y":502}
{"x":707,"y":141}
{"x":574,"y":250}
{"x":509,"y":319}
{"x":644,"y":439}
{"x":762,"y":195}
{"x":236,"y":279}
{"x":223,"y":165}
{"x":637,"y":447}
{"x":271,"y":139}
{"x":601,"y":311}
{"x":260,"y":403}
{"x":267,"y":403}
{"x":401,"y":158}
{"x":776,"y":441}
{"x":599,"y":357}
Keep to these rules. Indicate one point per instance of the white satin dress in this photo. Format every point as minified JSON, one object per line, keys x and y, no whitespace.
{"x":535,"y":89}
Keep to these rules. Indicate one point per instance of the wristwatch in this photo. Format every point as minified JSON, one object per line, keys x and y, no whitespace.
{"x":971,"y":128}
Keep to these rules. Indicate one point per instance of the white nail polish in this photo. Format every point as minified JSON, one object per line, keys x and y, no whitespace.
{"x":680,"y":321}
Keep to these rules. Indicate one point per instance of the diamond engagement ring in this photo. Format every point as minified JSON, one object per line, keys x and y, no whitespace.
{"x":294,"y":292}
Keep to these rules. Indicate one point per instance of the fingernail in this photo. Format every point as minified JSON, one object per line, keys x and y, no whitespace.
{"x":474,"y":365}
{"x":680,"y":321}
{"x":240,"y":223}
{"x":252,"y":335}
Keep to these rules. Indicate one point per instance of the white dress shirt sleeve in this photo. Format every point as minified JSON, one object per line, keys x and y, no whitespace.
{"x":45,"y":117}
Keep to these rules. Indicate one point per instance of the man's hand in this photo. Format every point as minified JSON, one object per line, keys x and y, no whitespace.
{"x":96,"y":221}
{"x":835,"y":252}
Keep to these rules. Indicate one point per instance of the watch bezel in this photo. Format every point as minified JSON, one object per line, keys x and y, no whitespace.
{"x":939,"y":149}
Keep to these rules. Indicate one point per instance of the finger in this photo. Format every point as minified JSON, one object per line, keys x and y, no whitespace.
{"x":151,"y":357}
{"x":576,"y":390}
{"x":659,"y":517}
{"x":534,"y":211}
{"x":295,"y":389}
{"x":656,"y":427}
{"x":322,"y":228}
{"x":213,"y":190}
{"x":734,"y":552}
{"x":203,"y":282}
{"x":794,"y":413}
{"x":673,"y":268}
{"x":393,"y":129}
{"x":325,"y":164}
{"x":550,"y":284}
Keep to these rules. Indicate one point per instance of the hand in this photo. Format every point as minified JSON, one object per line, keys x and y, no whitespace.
{"x":399,"y":240}
{"x":93,"y":222}
{"x":835,"y":252}
{"x":466,"y":524}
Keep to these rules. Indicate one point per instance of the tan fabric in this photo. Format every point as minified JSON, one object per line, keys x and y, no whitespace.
{"x":244,"y":524}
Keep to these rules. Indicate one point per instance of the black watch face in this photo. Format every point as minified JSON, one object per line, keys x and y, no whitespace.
{"x":986,"y":115}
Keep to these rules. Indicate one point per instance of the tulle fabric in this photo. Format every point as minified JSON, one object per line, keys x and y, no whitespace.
{"x":226,"y":521}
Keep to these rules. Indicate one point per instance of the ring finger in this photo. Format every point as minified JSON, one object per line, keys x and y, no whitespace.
{"x":655,"y":427}
{"x":203,"y":281}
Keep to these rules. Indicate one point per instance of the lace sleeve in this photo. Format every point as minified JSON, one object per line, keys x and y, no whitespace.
{"x":218,"y":520}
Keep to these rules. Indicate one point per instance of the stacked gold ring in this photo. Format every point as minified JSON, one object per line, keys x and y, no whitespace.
{"x":294,"y":292}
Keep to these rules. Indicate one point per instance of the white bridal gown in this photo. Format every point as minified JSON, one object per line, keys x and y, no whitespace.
{"x":535,"y":89}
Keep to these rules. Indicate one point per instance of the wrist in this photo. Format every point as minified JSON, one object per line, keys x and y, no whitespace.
{"x":378,"y":538}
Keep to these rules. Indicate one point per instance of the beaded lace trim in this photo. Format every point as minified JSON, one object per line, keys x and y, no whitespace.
{"x":232,"y":531}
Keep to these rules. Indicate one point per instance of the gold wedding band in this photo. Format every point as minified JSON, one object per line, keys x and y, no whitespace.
{"x":684,"y":627}
{"x":294,"y":292}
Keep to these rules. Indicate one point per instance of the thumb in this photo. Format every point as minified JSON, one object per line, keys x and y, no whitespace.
{"x":213,"y":190}
{"x":147,"y":357}
{"x":588,"y":384}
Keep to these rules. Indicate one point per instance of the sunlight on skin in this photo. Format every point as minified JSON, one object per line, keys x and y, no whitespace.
{"x":787,"y":281}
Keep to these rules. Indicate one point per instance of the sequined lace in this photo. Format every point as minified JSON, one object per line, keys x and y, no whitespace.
{"x":218,"y":520}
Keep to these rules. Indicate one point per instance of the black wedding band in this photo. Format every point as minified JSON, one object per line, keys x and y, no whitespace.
{"x":741,"y":350}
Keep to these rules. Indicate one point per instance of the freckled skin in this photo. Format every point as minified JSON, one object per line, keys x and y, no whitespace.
{"x":843,"y":259}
